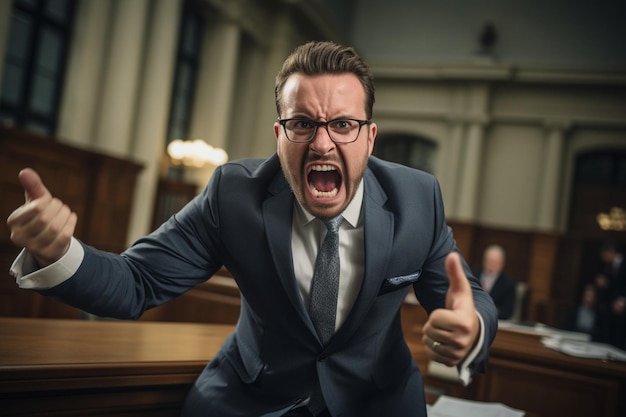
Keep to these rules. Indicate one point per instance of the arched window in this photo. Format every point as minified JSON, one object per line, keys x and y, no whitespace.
{"x":410,"y":150}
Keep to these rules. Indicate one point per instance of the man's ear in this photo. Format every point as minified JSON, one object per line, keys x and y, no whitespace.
{"x":371,"y":137}
{"x":276,"y":130}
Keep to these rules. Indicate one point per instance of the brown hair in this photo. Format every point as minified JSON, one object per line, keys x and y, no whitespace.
{"x":324,"y":57}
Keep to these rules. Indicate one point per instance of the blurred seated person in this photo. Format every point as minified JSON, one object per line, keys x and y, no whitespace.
{"x":500,"y":287}
{"x":585,"y":317}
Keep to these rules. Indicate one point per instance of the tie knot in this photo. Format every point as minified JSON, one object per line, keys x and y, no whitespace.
{"x":333,"y":224}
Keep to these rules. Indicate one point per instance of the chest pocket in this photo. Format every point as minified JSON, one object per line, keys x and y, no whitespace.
{"x":399,"y":282}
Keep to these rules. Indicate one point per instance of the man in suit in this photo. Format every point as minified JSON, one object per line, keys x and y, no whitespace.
{"x":262,"y":219}
{"x":493,"y":280}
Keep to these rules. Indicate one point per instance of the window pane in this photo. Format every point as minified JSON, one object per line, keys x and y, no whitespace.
{"x":12,"y":79}
{"x":19,"y":36}
{"x":49,"y":53}
{"x":42,"y":96}
{"x":58,"y":9}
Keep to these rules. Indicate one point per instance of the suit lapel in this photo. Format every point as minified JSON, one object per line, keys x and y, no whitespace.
{"x":277,"y":215}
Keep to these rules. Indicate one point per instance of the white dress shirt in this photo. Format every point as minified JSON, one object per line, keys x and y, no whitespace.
{"x":308,"y":232}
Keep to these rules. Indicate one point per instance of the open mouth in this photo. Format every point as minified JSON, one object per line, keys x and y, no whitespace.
{"x":324,"y":181}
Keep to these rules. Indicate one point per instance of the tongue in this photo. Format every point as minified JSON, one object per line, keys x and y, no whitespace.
{"x":324,"y":180}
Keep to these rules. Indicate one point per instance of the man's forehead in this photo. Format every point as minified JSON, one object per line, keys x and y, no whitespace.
{"x":339,"y":89}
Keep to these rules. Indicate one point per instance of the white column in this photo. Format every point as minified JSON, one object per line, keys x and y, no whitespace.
{"x":121,"y":77}
{"x":84,"y":72}
{"x":551,"y":168}
{"x":284,"y":40}
{"x":468,"y":185}
{"x":153,"y":106}
{"x":216,"y":84}
{"x":450,"y":168}
{"x":5,"y":23}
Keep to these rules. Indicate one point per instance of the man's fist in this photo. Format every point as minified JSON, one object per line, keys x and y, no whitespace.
{"x":43,"y":225}
{"x":450,"y":333}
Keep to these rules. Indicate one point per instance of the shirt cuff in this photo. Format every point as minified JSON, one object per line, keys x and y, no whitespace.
{"x":465,"y":375}
{"x":28,"y":274}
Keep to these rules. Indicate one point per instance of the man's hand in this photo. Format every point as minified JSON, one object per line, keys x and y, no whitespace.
{"x":450,"y":333}
{"x":43,"y":225}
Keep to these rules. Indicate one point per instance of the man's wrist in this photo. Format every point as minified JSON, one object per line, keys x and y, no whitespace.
{"x":29,"y":275}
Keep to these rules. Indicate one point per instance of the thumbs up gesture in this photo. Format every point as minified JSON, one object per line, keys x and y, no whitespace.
{"x":43,"y":225}
{"x":450,"y":333}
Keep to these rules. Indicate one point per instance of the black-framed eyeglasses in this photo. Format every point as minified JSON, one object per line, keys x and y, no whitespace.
{"x":303,"y":130}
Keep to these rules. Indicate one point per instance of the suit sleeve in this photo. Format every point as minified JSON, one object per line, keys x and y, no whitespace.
{"x":180,"y":254}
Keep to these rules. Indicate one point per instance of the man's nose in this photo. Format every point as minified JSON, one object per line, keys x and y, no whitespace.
{"x":322,"y":143}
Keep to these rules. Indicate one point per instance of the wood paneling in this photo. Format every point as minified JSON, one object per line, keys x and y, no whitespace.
{"x":98,"y":187}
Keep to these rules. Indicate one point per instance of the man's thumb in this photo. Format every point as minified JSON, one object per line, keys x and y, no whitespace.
{"x":459,"y":292}
{"x":33,"y":186}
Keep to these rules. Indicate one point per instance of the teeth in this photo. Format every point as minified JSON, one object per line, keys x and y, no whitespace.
{"x":323,"y":168}
{"x":325,"y":194}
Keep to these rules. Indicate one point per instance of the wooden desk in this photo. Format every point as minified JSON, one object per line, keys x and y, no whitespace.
{"x":107,"y":368}
{"x":66,"y":368}
{"x":525,"y":374}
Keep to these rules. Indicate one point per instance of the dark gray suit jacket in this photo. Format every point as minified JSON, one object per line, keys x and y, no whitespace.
{"x":274,"y":358}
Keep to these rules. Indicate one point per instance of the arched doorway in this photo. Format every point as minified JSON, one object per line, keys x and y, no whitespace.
{"x":597,"y":214}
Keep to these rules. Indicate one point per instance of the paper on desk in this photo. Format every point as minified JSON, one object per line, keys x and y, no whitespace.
{"x":456,"y":407}
{"x":580,"y":349}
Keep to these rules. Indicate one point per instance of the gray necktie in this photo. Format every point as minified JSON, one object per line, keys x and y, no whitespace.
{"x":325,"y":285}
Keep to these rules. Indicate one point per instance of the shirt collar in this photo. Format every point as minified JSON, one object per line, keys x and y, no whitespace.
{"x":352,"y":213}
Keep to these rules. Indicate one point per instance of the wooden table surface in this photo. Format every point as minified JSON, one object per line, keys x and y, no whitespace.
{"x":52,"y":367}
